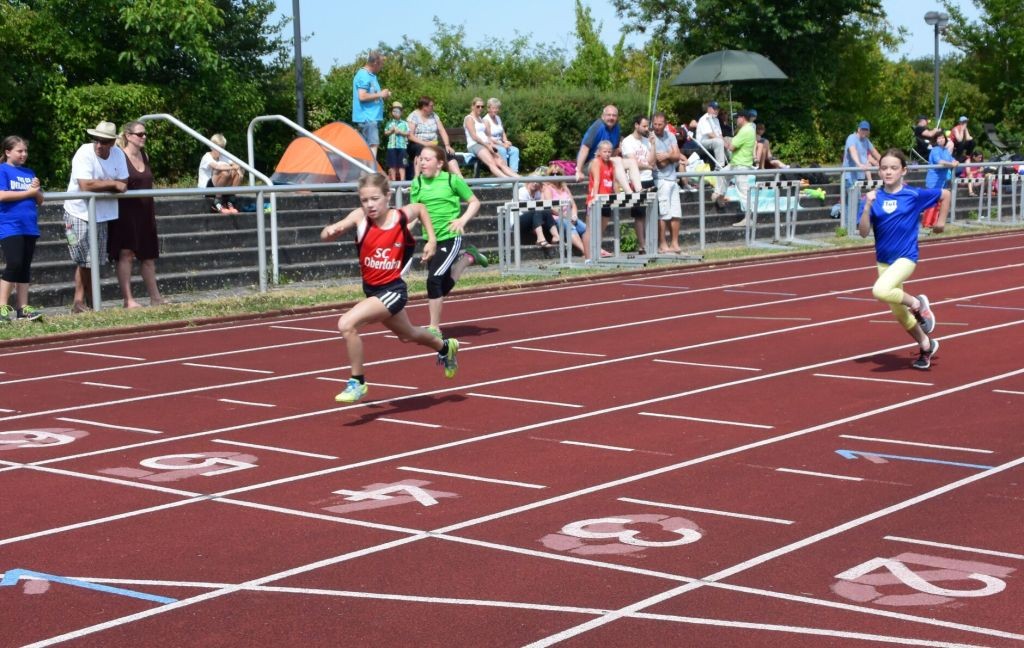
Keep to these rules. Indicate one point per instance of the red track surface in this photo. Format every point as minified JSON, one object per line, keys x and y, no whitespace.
{"x":648,"y":460}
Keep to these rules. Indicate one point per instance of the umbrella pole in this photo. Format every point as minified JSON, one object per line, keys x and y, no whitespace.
{"x":650,"y":91}
{"x":657,"y":85}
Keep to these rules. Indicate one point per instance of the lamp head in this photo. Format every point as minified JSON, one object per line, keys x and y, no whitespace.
{"x":937,"y":18}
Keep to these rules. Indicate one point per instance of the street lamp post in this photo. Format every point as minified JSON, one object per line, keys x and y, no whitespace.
{"x":300,"y":88}
{"x":939,"y":20}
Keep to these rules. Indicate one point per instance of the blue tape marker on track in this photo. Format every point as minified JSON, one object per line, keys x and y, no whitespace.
{"x":853,"y":454}
{"x":12,"y":576}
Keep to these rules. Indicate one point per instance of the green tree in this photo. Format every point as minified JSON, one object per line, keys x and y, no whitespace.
{"x":593,"y":67}
{"x":993,"y":59}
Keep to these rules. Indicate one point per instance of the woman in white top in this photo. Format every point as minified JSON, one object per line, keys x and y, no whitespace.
{"x":499,"y":136}
{"x":478,"y":137}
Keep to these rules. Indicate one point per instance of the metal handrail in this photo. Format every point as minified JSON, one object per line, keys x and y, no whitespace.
{"x":261,"y":242}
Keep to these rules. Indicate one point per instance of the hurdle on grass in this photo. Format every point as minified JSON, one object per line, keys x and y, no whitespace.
{"x":595,"y":226}
{"x":510,"y":253}
{"x":783,"y":189}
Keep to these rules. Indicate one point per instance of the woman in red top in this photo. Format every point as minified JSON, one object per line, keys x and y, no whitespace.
{"x":385,"y":250}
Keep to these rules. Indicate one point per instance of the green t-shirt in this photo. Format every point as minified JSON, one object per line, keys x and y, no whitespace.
{"x":442,"y":196}
{"x":743,"y":146}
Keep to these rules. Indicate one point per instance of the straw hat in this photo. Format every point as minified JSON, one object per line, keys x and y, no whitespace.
{"x":104,"y":130}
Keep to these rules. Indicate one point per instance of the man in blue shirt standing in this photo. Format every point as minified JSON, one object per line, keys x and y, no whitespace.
{"x":368,"y":100}
{"x":858,"y":153}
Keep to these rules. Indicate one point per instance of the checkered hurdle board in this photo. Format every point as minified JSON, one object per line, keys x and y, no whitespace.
{"x":509,"y":232}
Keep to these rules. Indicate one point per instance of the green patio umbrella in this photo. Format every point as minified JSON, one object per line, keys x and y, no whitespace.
{"x":727,"y":66}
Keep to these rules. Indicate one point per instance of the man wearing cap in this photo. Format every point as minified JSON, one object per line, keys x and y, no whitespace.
{"x":397,"y":132}
{"x":709,"y":135}
{"x":923,"y":137}
{"x":963,"y":143}
{"x":742,"y":147}
{"x":859,"y":153}
{"x":368,"y":100}
{"x":98,"y":166}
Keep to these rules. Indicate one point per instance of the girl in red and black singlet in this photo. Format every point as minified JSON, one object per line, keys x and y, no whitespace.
{"x":385,"y":248}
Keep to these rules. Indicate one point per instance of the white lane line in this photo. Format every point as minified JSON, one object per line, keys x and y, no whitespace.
{"x":303,"y":328}
{"x":756,"y":317}
{"x":650,"y":285}
{"x":818,"y":474}
{"x":914,"y":443}
{"x":105,"y":355}
{"x":377,"y":384}
{"x":489,"y":480}
{"x":944,"y":322}
{"x":760,"y":292}
{"x":577,"y":353}
{"x":2,"y":409}
{"x":756,"y":518}
{"x":401,"y":422}
{"x":1002,"y":391}
{"x":108,"y":386}
{"x":108,"y":425}
{"x":867,"y":299}
{"x":1013,"y":308}
{"x":707,"y":420}
{"x":210,"y":366}
{"x":372,"y":384}
{"x":943,"y":545}
{"x":274,"y":449}
{"x":884,"y":380}
{"x":600,"y":446}
{"x":703,"y":364}
{"x":524,"y":400}
{"x":238,"y":402}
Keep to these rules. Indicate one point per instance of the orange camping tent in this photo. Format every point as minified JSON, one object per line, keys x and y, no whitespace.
{"x":306,"y":162}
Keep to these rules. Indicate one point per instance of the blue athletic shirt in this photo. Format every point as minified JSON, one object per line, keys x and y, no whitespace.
{"x":896,"y":219}
{"x":597,"y":133}
{"x":19,"y":218}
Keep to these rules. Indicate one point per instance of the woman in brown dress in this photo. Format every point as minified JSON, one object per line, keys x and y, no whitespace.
{"x":133,"y":234}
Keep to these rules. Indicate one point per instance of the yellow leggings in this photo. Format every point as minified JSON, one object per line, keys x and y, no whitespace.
{"x":889,"y":289}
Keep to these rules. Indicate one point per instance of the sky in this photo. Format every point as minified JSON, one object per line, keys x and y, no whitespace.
{"x":353,"y":28}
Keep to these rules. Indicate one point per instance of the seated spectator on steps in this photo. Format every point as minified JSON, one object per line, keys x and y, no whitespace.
{"x":923,"y":136}
{"x":763,"y":158}
{"x":214,"y":172}
{"x":963,"y":141}
{"x":975,"y":172}
{"x":566,"y":217}
{"x":605,"y":129}
{"x":425,"y":128}
{"x":538,"y":221}
{"x":709,"y":135}
{"x":478,"y":139}
{"x":500,"y":136}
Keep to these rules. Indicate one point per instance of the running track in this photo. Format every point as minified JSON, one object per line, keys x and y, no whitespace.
{"x":719,"y":456}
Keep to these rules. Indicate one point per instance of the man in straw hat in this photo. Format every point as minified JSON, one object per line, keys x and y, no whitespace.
{"x":101,"y":167}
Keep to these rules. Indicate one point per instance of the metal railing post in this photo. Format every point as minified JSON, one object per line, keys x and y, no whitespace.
{"x":94,"y":256}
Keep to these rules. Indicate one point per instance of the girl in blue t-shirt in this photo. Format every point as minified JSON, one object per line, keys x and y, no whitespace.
{"x":20,"y":197}
{"x":894,"y":212}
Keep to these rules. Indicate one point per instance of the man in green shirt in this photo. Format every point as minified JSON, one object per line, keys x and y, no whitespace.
{"x":743,"y":144}
{"x":442,"y":194}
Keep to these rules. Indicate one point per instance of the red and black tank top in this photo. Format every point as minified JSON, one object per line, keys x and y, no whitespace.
{"x":384,"y":253}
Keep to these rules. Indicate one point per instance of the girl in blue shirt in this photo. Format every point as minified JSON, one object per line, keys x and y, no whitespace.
{"x":940,"y":155}
{"x":20,"y":197}
{"x":894,"y":212}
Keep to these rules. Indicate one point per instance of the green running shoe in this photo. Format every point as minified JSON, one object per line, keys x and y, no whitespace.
{"x":5,"y":314}
{"x":29,"y":313}
{"x":354,"y":391}
{"x":451,"y":365}
{"x":435,"y":331}
{"x":480,"y":259}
